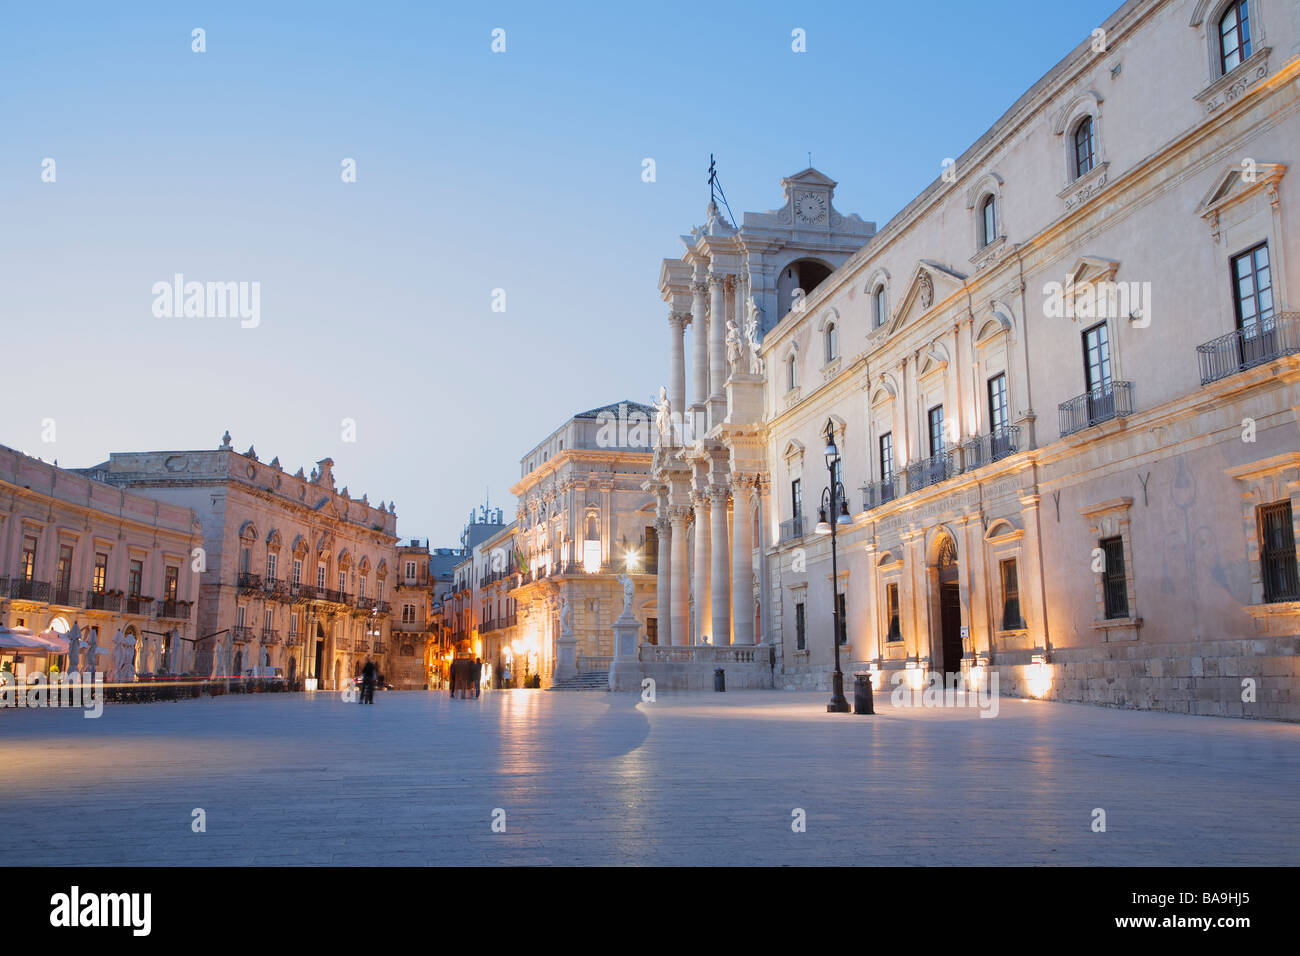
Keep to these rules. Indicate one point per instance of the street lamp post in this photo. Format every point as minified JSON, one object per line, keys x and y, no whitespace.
{"x":836,"y":506}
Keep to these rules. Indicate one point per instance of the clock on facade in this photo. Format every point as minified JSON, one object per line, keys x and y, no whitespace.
{"x":810,"y":207}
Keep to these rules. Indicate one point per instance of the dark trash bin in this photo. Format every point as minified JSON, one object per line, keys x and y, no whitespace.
{"x":719,"y":679}
{"x":862,"y":700}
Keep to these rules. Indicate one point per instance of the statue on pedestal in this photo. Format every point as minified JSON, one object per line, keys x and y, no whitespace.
{"x":629,"y":590}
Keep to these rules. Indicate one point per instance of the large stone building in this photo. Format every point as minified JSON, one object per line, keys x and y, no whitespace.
{"x":1063,"y":380}
{"x":74,"y":551}
{"x":298,"y":575}
{"x":584,"y":518}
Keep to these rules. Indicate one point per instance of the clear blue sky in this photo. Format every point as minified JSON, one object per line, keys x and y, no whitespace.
{"x":475,"y":171}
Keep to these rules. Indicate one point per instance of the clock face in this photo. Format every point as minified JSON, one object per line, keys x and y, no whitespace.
{"x":810,"y":207}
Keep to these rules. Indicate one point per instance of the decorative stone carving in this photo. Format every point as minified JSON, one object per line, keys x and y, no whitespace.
{"x":926,"y":285}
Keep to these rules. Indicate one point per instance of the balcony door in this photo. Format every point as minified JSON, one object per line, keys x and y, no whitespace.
{"x":1096,"y":369}
{"x":999,"y":437}
{"x":1252,"y":299}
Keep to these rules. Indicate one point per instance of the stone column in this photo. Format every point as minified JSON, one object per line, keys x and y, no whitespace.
{"x":677,"y":376}
{"x":681,"y":579}
{"x":742,"y":570}
{"x":717,"y":337}
{"x":721,"y":596}
{"x":664,"y":582}
{"x":700,"y":358}
{"x":700,"y":500}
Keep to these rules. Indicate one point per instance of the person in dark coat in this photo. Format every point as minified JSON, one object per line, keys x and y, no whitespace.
{"x":478,"y":675}
{"x":368,"y":682}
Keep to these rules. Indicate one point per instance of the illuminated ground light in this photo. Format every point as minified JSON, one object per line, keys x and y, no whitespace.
{"x":975,"y":676}
{"x":915,"y":676}
{"x":1038,"y":676}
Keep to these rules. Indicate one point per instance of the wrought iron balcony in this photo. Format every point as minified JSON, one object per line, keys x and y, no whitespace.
{"x":792,"y":529}
{"x":174,"y":610}
{"x":135,"y":604}
{"x":242,"y":634}
{"x":880,"y":493}
{"x":363,"y":646}
{"x":986,"y":449}
{"x":294,"y":639}
{"x":930,"y":471}
{"x":103,"y":601}
{"x":364,"y":603}
{"x":249,"y":582}
{"x":270,"y":635}
{"x":1237,"y":351}
{"x":276,"y":589}
{"x":1101,"y":404}
{"x":303,"y":592}
{"x":22,"y":589}
{"x":381,"y":647}
{"x":65,"y":597}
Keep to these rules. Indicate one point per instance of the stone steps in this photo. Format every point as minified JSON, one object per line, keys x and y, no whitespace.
{"x":587,"y":680}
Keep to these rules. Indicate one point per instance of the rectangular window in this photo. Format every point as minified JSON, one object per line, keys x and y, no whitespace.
{"x":894,"y":633}
{"x":361,"y":588}
{"x":100,"y":580}
{"x":1277,"y":553}
{"x":268,"y":619}
{"x":320,"y":576}
{"x":1096,"y":356}
{"x":293,"y":622}
{"x":410,"y":572}
{"x":1252,"y":302}
{"x":800,"y":637}
{"x":245,"y":560}
{"x":842,"y":620}
{"x":29,"y":558}
{"x":379,"y":590}
{"x":272,"y":564}
{"x":63,"y":576}
{"x":1011,"y":619}
{"x":1114,"y":582}
{"x":886,"y":456}
{"x":652,"y":630}
{"x":936,"y":431}
{"x":135,"y":578}
{"x":297,"y":572}
{"x":998,"y":403}
{"x":796,"y":498}
{"x":171,"y":583}
{"x":240,"y":612}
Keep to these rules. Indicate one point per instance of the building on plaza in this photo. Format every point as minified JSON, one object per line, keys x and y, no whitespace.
{"x":74,"y":551}
{"x":411,"y":629}
{"x":1064,"y":381}
{"x":298,"y":575}
{"x":457,"y":607}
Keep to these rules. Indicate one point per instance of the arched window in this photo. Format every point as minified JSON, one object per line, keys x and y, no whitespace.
{"x":988,"y":220}
{"x":1083,"y":147}
{"x":878,"y":314}
{"x":832,"y":343}
{"x":792,"y":372}
{"x":1234,"y":36}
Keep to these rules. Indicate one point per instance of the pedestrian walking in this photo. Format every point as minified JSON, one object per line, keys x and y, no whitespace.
{"x":478,"y":675}
{"x":368,"y":682}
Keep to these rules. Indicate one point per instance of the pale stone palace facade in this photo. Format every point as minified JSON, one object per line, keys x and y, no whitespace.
{"x":78,"y":552}
{"x":297,"y":575}
{"x":539,"y":595}
{"x":1063,"y":381}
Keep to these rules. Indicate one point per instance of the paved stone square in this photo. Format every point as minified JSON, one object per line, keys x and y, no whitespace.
{"x":607,"y":779}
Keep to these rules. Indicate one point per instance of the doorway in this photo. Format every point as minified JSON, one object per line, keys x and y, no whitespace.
{"x":950,"y":644}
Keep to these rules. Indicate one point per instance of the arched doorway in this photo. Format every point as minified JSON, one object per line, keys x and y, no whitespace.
{"x":239,"y":664}
{"x":949,"y":593}
{"x":293,"y":669}
{"x":318,"y":670}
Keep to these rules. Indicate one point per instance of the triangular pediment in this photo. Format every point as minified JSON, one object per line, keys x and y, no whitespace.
{"x":1238,"y":181}
{"x":810,"y":177}
{"x":931,"y":283}
{"x":1089,"y":269}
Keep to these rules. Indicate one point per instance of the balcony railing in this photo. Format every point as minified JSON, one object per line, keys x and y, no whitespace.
{"x":102,"y":601}
{"x":276,"y":589}
{"x":363,"y":646}
{"x":930,"y":471}
{"x":248,"y":582}
{"x":880,"y":493}
{"x":66,"y":597}
{"x":174,"y":610}
{"x":791,"y":529}
{"x":138,"y":605}
{"x":1237,"y":351}
{"x":270,"y":635}
{"x":381,"y":647}
{"x":294,"y":639}
{"x":986,"y":449}
{"x":1101,"y":404}
{"x":241,"y":633}
{"x":23,"y":590}
{"x":383,"y":607}
{"x":303,"y":592}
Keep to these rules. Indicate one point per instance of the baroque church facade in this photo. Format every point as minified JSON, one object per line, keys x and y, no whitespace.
{"x":1063,"y":383}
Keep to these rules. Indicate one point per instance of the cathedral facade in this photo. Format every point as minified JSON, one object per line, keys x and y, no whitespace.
{"x":1062,"y":385}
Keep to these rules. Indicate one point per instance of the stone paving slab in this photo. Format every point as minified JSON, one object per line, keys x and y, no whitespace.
{"x":607,"y":779}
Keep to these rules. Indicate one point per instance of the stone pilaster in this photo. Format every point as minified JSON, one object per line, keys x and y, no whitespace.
{"x":700,"y":501}
{"x":677,"y":376}
{"x":663,"y":584}
{"x":720,"y":566}
{"x":742,"y":570}
{"x":681,"y":579}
